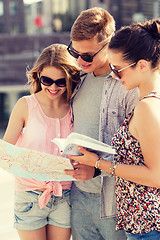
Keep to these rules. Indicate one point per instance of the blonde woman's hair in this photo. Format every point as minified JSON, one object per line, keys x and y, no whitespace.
{"x":55,"y":55}
{"x":94,"y":22}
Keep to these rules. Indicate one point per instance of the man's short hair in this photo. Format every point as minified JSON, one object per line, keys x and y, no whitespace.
{"x":91,"y":23}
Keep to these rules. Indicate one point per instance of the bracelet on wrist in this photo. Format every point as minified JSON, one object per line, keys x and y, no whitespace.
{"x":113,"y":168}
{"x":98,"y":162}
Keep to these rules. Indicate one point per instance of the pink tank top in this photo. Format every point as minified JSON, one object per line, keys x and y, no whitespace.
{"x":37,"y":135}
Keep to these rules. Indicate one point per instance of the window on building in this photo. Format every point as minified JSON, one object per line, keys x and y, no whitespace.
{"x":4,"y":114}
{"x":1,"y":8}
{"x":1,"y":28}
{"x":14,"y":28}
{"x":13,"y":8}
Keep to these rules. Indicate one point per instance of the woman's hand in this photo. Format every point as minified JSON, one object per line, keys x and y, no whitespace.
{"x":88,"y":158}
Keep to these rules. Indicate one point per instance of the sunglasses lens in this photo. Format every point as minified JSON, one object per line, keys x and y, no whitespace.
{"x":87,"y":58}
{"x":73,"y":53}
{"x":114,"y":71}
{"x":46,"y":81}
{"x":61,"y":82}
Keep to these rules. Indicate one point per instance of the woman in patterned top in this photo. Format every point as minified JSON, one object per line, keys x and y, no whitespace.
{"x":134,"y":59}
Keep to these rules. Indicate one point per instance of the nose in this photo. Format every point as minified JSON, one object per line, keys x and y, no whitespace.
{"x":79,"y":60}
{"x":53,"y":86}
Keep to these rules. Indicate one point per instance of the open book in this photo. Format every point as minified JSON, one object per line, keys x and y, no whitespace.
{"x":69,"y":145}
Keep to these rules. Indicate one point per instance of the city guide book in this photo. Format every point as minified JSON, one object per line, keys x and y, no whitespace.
{"x":69,"y":145}
{"x":28,"y":163}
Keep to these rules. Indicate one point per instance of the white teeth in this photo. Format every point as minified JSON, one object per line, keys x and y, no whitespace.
{"x":53,"y":91}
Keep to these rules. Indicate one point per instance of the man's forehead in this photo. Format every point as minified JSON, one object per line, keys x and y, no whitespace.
{"x":85,"y":46}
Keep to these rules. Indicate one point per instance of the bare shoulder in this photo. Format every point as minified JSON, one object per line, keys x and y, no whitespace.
{"x":147,"y":111}
{"x":21,"y":108}
{"x":17,"y":121}
{"x":21,"y":104}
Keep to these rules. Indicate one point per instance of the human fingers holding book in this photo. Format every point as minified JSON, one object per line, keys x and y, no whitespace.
{"x":81,"y":172}
{"x":88,"y":158}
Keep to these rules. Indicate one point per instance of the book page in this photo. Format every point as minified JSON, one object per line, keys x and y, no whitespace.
{"x":77,"y":136}
{"x":60,"y":142}
{"x":75,"y":139}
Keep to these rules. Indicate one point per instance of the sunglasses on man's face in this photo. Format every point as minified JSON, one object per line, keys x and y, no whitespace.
{"x":85,"y":57}
{"x":61,"y":82}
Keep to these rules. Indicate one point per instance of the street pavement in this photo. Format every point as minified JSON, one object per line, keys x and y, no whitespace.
{"x":7,"y":232}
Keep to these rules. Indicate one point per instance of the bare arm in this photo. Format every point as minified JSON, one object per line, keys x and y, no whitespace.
{"x":147,"y":128}
{"x":17,"y":121}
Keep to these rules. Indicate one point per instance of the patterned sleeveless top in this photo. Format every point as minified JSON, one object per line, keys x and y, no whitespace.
{"x":138,"y":206}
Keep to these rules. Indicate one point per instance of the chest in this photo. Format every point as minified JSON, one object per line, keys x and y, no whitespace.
{"x":127,"y":146}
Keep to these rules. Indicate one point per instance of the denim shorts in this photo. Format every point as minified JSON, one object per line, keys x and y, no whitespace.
{"x":29,"y":216}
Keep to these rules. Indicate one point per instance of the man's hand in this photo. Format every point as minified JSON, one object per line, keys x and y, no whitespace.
{"x":81,"y":172}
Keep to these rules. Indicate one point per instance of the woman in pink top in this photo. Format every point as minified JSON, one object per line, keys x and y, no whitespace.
{"x":42,"y":209}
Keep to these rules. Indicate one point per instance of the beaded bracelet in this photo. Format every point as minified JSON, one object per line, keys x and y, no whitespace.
{"x":113,"y":168}
{"x":98,"y":162}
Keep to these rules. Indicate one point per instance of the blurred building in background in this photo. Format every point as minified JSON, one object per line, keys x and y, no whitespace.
{"x":47,"y":16}
{"x":127,"y":11}
{"x":27,"y":26}
{"x":12,"y":18}
{"x":59,"y":15}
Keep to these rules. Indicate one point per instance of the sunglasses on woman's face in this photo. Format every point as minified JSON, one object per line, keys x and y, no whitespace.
{"x":85,"y":57}
{"x":116,"y":72}
{"x":61,"y":82}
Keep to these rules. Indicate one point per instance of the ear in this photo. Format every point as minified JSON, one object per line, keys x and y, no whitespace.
{"x":143,"y":65}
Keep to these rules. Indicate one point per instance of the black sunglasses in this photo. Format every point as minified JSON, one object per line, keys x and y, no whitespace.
{"x":116,"y":72}
{"x":61,"y":82}
{"x":85,"y":57}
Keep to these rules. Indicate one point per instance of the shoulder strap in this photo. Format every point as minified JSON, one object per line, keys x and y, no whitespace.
{"x":151,"y":94}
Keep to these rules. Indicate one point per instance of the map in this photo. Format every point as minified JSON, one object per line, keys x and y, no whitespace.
{"x":27,"y":163}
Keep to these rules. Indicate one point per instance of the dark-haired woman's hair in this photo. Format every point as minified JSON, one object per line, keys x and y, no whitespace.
{"x":55,"y":55}
{"x":139,"y":41}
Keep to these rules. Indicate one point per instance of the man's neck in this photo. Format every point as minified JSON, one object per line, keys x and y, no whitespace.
{"x":102,"y":71}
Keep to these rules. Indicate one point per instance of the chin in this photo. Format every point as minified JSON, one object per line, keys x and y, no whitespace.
{"x":86,"y":70}
{"x":128,"y":88}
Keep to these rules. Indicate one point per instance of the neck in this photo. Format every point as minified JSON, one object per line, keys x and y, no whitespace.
{"x":55,"y":104}
{"x":150,"y":85}
{"x":103,"y":70}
